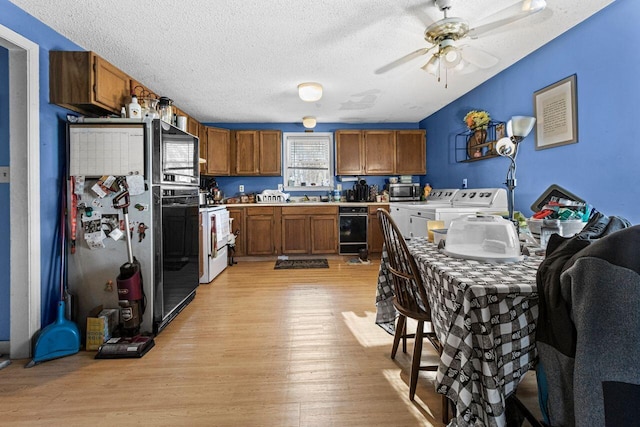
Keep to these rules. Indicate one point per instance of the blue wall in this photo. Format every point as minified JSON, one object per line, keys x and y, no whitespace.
{"x":4,"y":197}
{"x":51,"y":153}
{"x":602,"y":167}
{"x":229,"y":185}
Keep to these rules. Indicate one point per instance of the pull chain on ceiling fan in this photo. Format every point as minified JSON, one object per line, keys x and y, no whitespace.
{"x":445,"y":34}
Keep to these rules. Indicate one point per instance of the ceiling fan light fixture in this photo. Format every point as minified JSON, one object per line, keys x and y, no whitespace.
{"x":451,"y":56}
{"x":310,"y":91}
{"x":431,"y":67}
{"x":309,"y":122}
{"x":533,"y":5}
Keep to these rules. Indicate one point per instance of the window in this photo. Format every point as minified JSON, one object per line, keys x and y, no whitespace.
{"x":308,"y":162}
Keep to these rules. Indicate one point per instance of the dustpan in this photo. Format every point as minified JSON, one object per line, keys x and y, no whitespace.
{"x":62,"y":337}
{"x":59,"y":339}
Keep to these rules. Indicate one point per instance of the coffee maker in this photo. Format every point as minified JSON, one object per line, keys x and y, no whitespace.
{"x":361,"y":191}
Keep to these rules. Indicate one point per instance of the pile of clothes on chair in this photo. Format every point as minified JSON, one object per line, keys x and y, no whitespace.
{"x":588,"y":331}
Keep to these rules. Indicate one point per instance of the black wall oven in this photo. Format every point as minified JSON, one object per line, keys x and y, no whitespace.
{"x":176,"y":251}
{"x":353,"y":229}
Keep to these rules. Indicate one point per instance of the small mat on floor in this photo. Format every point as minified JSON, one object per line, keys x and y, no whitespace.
{"x":283,"y":264}
{"x":358,"y":261}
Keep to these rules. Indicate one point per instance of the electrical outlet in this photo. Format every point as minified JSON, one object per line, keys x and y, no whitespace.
{"x":280,"y":187}
{"x":464,"y":183}
{"x":241,"y":188}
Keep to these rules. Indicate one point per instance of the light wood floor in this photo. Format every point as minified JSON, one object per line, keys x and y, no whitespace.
{"x":257,"y":347}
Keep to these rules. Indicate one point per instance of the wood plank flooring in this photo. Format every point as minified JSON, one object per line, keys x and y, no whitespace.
{"x":257,"y":347}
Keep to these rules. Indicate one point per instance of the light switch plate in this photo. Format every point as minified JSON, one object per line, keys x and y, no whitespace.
{"x":4,"y":174}
{"x":280,"y":187}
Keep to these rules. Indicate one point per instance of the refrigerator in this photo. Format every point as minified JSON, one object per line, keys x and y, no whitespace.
{"x":159,"y":164}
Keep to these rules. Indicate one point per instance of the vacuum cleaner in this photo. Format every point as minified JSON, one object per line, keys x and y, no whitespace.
{"x":131,"y":297}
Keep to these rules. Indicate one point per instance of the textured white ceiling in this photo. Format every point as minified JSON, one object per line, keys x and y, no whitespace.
{"x":241,"y":61}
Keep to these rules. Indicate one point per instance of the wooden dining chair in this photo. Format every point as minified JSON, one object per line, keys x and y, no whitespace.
{"x":410,"y":299}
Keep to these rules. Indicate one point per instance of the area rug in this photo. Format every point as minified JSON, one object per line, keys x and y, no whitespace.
{"x":283,"y":264}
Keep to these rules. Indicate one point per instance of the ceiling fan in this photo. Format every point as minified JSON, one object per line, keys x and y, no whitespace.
{"x":445,"y":34}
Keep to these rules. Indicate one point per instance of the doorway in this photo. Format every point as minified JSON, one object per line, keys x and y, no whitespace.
{"x":24,"y":193}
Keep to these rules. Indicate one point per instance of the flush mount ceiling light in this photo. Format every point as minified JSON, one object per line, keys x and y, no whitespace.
{"x":310,"y":92}
{"x":309,"y":122}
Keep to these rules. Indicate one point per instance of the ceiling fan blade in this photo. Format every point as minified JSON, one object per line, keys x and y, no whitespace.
{"x":478,"y":57}
{"x":508,"y":15}
{"x":403,"y":60}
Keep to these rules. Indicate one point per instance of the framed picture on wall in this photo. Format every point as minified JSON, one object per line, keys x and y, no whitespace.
{"x":556,"y":114}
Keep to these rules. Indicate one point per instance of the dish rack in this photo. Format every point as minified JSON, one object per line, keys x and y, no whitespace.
{"x":271,"y":196}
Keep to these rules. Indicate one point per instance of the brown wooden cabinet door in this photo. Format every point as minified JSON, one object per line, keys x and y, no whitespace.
{"x":112,"y":86}
{"x":349,"y":152}
{"x":245,"y":150}
{"x":218,"y":151}
{"x":193,"y":126}
{"x":295,"y":234}
{"x":259,"y":237}
{"x":237,"y":214}
{"x":411,"y":152}
{"x":324,"y":234}
{"x":374,"y":233}
{"x":270,"y":152}
{"x":380,"y":152}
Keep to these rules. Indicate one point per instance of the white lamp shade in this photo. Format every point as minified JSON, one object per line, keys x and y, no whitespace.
{"x":310,"y":92}
{"x":521,"y":125}
{"x":309,"y":122}
{"x":431,"y":67}
{"x":505,"y":147}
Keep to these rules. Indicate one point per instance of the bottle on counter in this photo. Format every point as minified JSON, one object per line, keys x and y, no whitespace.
{"x":426,"y":191}
{"x":123,"y":112}
{"x":135,"y":110}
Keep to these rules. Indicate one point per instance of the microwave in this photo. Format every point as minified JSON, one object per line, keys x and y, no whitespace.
{"x":175,"y":157}
{"x":400,"y":192}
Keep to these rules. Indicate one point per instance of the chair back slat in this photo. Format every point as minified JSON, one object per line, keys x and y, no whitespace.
{"x":409,"y":291}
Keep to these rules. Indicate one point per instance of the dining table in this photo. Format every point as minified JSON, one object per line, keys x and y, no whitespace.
{"x":484,"y":314}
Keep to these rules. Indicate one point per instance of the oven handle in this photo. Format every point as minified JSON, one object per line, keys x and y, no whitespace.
{"x":354,"y":214}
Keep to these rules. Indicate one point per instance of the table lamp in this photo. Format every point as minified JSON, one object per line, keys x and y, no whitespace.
{"x":518,"y":128}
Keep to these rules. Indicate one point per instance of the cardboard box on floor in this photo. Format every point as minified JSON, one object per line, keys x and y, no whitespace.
{"x":100,"y":325}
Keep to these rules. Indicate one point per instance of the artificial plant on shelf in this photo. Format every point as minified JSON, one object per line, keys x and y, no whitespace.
{"x":477,"y":121}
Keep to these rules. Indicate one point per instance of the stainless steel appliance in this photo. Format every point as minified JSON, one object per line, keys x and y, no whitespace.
{"x":175,"y":156}
{"x":160,"y":164}
{"x":213,"y":242}
{"x":176,"y":204}
{"x":404,"y":192}
{"x":176,"y":251}
{"x":353,"y":229}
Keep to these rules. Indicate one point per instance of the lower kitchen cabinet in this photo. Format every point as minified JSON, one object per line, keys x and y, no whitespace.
{"x":310,"y":230}
{"x":261,"y":236}
{"x":374,"y":233}
{"x":324,"y":234}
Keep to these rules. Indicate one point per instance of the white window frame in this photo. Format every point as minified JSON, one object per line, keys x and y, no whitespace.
{"x":320,"y":138}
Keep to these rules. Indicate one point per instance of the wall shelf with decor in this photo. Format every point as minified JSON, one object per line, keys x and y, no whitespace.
{"x":471,"y":146}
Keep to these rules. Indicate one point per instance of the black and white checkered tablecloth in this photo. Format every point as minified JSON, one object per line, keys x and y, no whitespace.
{"x":484,"y":314}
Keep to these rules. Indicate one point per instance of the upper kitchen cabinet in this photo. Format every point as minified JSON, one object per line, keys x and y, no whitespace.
{"x":411,"y":152}
{"x":380,"y":152}
{"x":85,"y":83}
{"x":349,"y":152}
{"x":218,"y":147}
{"x":256,"y":153}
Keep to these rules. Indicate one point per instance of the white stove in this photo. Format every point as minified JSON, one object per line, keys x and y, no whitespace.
{"x":448,"y":204}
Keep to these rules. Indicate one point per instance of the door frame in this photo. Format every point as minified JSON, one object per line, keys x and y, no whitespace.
{"x":24,"y":192}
